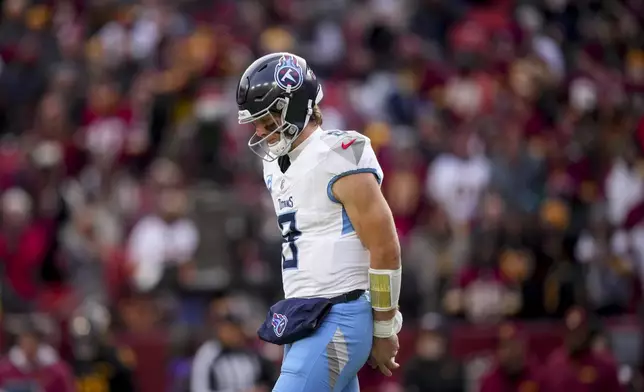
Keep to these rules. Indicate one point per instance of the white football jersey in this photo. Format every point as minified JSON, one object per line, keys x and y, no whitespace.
{"x":321,"y":254}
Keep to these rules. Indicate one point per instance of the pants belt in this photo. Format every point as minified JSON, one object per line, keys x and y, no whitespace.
{"x":347,"y":297}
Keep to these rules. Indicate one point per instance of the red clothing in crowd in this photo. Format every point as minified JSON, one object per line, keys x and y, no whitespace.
{"x":590,"y":372}
{"x":497,"y":380}
{"x":22,"y":255}
{"x":107,"y":134}
{"x":49,"y":375}
{"x":472,"y":274}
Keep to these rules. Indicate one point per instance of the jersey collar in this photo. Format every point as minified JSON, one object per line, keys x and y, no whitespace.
{"x":294,"y":153}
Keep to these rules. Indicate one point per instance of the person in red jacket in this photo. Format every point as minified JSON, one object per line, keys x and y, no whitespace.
{"x":576,"y":366}
{"x":514,"y":370}
{"x":34,"y":366}
{"x":23,"y":248}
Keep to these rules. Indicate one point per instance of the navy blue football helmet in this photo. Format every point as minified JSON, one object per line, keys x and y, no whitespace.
{"x":283,"y":88}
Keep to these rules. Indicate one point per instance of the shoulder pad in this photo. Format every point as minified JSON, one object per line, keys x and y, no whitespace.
{"x":334,"y":137}
{"x":349,"y":145}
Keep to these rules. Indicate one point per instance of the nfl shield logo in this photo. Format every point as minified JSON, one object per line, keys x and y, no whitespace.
{"x":269,"y":183}
{"x":288,"y":73}
{"x":279,"y":324}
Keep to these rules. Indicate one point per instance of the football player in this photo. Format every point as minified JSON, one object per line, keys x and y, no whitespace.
{"x":341,"y":267}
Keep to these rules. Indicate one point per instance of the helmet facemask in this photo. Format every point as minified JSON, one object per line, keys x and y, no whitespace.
{"x":273,"y":118}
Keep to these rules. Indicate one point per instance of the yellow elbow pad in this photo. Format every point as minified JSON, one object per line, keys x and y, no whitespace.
{"x":384,"y":288}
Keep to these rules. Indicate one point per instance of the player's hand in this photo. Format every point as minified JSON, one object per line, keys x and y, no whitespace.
{"x":383,"y":354}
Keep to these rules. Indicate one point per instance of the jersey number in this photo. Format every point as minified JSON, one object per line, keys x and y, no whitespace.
{"x":290,"y":233}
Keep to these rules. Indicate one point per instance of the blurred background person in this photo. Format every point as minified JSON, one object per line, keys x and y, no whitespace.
{"x":34,"y":365}
{"x":483,"y":292}
{"x":577,"y":366}
{"x":432,"y":368}
{"x":24,"y":247}
{"x":98,"y":363}
{"x":226,"y":361}
{"x":514,"y":370}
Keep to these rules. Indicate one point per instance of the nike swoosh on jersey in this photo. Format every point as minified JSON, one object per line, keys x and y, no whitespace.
{"x":347,"y":145}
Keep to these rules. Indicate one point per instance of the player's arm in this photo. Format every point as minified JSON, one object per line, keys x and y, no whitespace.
{"x":371,"y":217}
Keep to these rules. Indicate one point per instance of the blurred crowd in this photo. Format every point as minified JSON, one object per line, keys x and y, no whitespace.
{"x":511,"y":134}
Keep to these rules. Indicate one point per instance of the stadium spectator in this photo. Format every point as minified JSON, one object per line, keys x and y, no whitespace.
{"x":576,"y":366}
{"x":432,"y":256}
{"x":32,"y":364}
{"x":482,"y":291}
{"x":457,"y":180}
{"x":608,"y":264}
{"x":24,"y":245}
{"x":98,"y":364}
{"x":432,"y":369}
{"x":162,"y":245}
{"x":515,"y":370}
{"x":226,"y":363}
{"x":624,"y":185}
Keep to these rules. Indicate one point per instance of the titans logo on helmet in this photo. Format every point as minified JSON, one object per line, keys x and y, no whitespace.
{"x":279,"y":324}
{"x":288,"y":73}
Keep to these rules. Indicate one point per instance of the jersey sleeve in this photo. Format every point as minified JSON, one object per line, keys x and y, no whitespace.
{"x":349,"y":153}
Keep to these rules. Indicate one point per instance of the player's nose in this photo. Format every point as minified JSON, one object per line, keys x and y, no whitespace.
{"x":261,"y":131}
